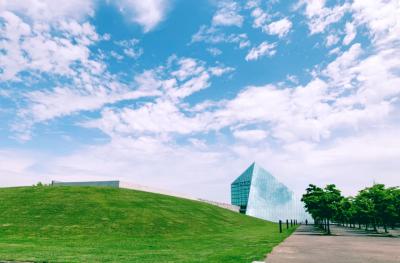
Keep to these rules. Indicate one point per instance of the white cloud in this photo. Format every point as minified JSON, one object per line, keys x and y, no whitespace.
{"x":350,"y":34}
{"x":116,"y":55}
{"x":280,"y":27}
{"x":334,"y":51}
{"x":49,"y":10}
{"x":336,"y":70}
{"x":131,"y":48}
{"x":187,"y":67}
{"x":219,"y":71}
{"x":264,"y":49}
{"x":147,"y":13}
{"x":151,"y":118}
{"x":381,"y":18}
{"x":214,"y":51}
{"x":331,"y":40}
{"x":319,"y":16}
{"x":250,"y":135}
{"x":181,"y":78}
{"x":37,"y":50}
{"x":33,"y":48}
{"x":292,"y":78}
{"x":148,"y":80}
{"x":214,"y":35}
{"x":260,"y":17}
{"x":227,"y":15}
{"x":58,"y":49}
{"x":46,"y":105}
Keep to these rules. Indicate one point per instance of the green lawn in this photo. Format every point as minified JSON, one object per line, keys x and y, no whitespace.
{"x":90,"y":224}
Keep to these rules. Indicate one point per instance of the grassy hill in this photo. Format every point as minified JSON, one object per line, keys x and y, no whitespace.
{"x":90,"y":224}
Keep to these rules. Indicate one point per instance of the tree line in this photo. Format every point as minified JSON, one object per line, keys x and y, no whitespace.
{"x":372,"y":207}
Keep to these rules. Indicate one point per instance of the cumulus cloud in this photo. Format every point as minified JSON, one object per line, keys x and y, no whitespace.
{"x":48,"y":10}
{"x":250,"y":135}
{"x":319,"y":16}
{"x":264,"y":49}
{"x":30,"y":45}
{"x":214,"y":51}
{"x":131,"y":47}
{"x":147,"y":13}
{"x":350,"y":34}
{"x":331,"y":40}
{"x":344,"y":96}
{"x":180,"y":78}
{"x":280,"y":27}
{"x":260,"y":17}
{"x":214,"y":35}
{"x":219,"y":71}
{"x":383,"y":25}
{"x":228,"y":15}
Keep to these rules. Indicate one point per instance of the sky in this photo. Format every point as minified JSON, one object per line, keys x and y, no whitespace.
{"x":183,"y":95}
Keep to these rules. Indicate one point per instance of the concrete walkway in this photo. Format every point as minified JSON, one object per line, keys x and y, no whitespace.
{"x":308,"y":245}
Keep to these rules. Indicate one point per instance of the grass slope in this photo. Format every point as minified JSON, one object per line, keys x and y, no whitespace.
{"x":90,"y":224}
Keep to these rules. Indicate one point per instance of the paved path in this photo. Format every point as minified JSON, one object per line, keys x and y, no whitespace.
{"x":308,"y":245}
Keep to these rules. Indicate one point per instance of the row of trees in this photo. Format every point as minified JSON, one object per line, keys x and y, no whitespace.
{"x":372,"y":207}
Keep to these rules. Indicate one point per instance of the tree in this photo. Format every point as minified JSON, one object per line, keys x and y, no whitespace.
{"x":390,"y":213}
{"x":322,"y":204}
{"x":330,"y":203}
{"x":375,"y":205}
{"x":364,"y":209}
{"x":312,"y":201}
{"x":382,"y":209}
{"x":345,"y":213}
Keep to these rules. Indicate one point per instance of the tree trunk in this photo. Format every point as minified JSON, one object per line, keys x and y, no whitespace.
{"x":384,"y":226}
{"x":329,"y":229}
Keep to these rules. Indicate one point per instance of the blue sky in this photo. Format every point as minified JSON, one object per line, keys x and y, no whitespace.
{"x":184,"y":95}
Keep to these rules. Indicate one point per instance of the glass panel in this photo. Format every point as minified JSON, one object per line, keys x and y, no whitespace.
{"x":260,"y":195}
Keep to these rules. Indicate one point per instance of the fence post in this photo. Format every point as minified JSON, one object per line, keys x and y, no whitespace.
{"x":280,"y":226}
{"x":287,"y":223}
{"x":291,"y":222}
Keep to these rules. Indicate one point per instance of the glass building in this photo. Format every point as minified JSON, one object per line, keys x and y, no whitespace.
{"x":259,"y":194}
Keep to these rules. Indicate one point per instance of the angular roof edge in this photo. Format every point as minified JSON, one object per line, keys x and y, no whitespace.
{"x":248,"y":172}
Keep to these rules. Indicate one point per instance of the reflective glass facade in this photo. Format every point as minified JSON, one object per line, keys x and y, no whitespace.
{"x":240,"y":189}
{"x":260,"y":195}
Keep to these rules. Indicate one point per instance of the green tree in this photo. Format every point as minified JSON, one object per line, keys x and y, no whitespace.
{"x":312,"y":202}
{"x":346,"y":212}
{"x":382,"y":205}
{"x":390,"y":214}
{"x":322,"y":204}
{"x":364,"y":209}
{"x":330,"y":203}
{"x":396,"y":194}
{"x":375,"y":205}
